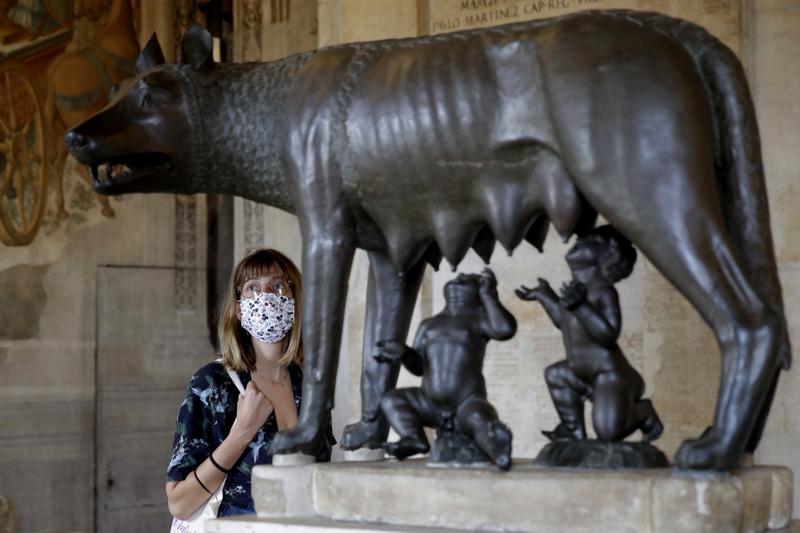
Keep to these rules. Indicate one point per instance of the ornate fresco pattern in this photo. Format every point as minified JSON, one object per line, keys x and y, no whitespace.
{"x":58,"y":61}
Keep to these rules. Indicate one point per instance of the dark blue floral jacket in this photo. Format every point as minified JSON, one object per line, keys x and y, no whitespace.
{"x":205,"y":419}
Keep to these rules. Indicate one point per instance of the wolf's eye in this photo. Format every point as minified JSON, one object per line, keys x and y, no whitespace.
{"x":147,"y":101}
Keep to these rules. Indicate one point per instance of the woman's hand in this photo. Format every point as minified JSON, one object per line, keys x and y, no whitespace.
{"x":252,"y":411}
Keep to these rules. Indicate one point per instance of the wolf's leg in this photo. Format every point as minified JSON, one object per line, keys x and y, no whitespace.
{"x":328,"y":248}
{"x":686,"y":238}
{"x":390,"y":304}
{"x":758,"y":429}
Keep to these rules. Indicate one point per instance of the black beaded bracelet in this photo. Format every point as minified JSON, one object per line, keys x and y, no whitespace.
{"x":201,"y":483}
{"x":219,"y":467}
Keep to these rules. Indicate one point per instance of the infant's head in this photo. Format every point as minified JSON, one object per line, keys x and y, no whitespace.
{"x":607,"y":248}
{"x":463,"y":289}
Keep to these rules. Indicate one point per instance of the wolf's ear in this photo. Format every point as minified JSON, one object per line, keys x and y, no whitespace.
{"x":197,"y":48}
{"x":151,"y":55}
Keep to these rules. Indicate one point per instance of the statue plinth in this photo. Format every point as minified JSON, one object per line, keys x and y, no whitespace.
{"x":394,"y":496}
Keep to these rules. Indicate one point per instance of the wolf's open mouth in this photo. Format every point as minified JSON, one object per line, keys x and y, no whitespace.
{"x":131,"y":166}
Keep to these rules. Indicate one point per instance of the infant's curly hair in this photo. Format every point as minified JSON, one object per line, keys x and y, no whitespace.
{"x":617,"y":262}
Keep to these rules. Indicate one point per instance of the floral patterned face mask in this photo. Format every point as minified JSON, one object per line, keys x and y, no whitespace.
{"x":267,"y":317}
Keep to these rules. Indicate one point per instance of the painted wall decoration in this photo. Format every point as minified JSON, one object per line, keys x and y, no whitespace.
{"x":59,"y":60}
{"x":251,"y":29}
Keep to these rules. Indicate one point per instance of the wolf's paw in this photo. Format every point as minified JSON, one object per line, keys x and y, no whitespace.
{"x":365,"y":434}
{"x":303,"y":438}
{"x":705,"y":453}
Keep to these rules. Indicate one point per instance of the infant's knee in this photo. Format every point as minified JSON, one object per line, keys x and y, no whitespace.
{"x":475,"y":413}
{"x":610,"y":422}
{"x":613,"y":411}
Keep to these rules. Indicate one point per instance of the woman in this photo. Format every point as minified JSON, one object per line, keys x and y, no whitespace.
{"x":260,"y":339}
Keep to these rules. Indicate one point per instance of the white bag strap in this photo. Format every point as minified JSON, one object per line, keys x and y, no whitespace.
{"x":234,"y":377}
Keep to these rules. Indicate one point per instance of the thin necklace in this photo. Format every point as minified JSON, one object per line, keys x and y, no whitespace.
{"x":284,"y":375}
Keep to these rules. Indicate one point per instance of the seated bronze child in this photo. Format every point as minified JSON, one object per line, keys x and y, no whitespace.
{"x":588,"y":315}
{"x":448,"y":353}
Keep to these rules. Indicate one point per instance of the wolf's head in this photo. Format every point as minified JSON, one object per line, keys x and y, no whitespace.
{"x":149,"y":137}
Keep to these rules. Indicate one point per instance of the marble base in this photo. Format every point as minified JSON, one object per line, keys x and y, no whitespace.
{"x":292,"y":459}
{"x":364,"y":455}
{"x":390,"y":494}
{"x":242,"y":524}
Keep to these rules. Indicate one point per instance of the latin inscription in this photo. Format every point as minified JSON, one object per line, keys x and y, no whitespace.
{"x":718,"y":16}
{"x":464,"y":14}
{"x":712,"y":7}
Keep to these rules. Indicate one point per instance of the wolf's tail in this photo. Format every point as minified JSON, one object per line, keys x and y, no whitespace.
{"x":737,"y":157}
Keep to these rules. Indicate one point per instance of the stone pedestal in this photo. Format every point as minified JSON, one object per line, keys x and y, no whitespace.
{"x":409,"y":496}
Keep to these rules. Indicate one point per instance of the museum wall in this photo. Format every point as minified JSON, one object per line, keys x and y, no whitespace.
{"x":103,"y":317}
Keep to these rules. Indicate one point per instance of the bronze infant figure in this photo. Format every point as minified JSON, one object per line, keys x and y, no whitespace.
{"x":589,"y":317}
{"x":448,"y":353}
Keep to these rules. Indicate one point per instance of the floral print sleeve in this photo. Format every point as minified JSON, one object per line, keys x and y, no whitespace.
{"x":194,"y":436}
{"x":205,"y":419}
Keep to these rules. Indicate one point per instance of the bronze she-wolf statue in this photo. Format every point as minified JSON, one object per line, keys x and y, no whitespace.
{"x":418,"y":149}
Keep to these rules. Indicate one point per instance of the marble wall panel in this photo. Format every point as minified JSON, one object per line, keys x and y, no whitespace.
{"x":148,"y":345}
{"x":50,"y":494}
{"x":775,"y":75}
{"x":22,"y":282}
{"x":47,"y":383}
{"x":47,"y":370}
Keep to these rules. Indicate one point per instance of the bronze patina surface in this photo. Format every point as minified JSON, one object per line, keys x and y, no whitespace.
{"x":418,"y":149}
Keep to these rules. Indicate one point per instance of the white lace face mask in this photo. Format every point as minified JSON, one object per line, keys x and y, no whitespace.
{"x":267,"y":317}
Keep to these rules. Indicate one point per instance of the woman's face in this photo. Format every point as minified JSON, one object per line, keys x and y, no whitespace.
{"x":273,"y":283}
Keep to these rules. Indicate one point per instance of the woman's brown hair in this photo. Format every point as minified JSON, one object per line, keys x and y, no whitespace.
{"x":235,"y":342}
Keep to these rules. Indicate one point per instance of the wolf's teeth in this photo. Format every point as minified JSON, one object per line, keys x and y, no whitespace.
{"x":119,"y":170}
{"x":108,"y":171}
{"x":93,"y":169}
